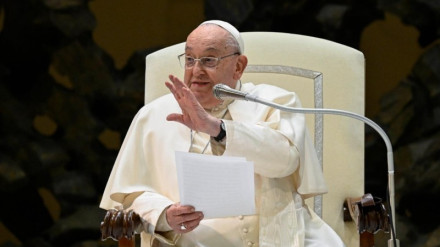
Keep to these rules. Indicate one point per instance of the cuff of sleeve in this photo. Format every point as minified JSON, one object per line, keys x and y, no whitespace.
{"x":169,"y":238}
{"x":218,"y":148}
{"x":163,"y":231}
{"x":162,"y":223}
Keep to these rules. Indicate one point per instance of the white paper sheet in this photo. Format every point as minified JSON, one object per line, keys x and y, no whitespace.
{"x":219,"y":186}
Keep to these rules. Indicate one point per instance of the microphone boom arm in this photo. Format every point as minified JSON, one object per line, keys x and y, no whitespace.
{"x":222,"y":91}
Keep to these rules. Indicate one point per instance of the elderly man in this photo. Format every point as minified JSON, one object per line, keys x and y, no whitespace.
{"x":192,"y":119}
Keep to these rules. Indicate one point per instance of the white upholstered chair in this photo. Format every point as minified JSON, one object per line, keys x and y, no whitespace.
{"x":325,"y":74}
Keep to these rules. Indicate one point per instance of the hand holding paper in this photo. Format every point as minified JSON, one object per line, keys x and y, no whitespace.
{"x":219,"y":186}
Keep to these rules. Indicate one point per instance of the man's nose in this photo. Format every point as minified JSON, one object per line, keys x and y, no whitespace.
{"x":198,"y":67}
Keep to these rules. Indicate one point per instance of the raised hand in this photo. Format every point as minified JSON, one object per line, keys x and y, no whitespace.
{"x":193,"y":115}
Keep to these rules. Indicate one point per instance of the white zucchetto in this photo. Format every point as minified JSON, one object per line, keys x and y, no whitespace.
{"x":231,"y":29}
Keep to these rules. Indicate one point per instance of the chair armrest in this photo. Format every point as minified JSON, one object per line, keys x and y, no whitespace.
{"x":119,"y":224}
{"x":368,"y":213}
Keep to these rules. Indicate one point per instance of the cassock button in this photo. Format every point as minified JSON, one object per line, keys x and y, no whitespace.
{"x":240,"y":217}
{"x":250,"y":243}
{"x":245,"y":230}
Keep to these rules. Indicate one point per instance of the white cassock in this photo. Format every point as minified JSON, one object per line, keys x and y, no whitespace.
{"x":286,"y":168}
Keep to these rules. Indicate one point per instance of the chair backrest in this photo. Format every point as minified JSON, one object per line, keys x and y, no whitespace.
{"x":325,"y":74}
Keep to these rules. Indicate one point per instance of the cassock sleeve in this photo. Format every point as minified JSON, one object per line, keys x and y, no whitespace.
{"x":276,"y":141}
{"x":137,"y":178}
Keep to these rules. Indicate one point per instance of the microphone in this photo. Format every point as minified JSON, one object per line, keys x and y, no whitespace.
{"x":222,"y":91}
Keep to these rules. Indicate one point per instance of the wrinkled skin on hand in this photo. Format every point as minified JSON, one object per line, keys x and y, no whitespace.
{"x":193,"y":115}
{"x":186,"y":216}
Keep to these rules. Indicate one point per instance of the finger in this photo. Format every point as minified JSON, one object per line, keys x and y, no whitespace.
{"x":179,"y":91}
{"x":189,"y":94}
{"x":170,"y":86}
{"x":178,"y":210}
{"x":193,"y":218}
{"x":176,"y":81}
{"x":174,"y":220}
{"x":175,"y":117}
{"x":173,"y":90}
{"x":190,"y":225}
{"x":183,"y":210}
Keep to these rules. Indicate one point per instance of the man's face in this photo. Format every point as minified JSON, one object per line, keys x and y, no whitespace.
{"x":210,"y":41}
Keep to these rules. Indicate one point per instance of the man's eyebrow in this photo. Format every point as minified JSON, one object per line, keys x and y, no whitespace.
{"x":189,"y":48}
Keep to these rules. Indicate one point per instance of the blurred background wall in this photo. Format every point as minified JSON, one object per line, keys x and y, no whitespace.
{"x":72,"y":72}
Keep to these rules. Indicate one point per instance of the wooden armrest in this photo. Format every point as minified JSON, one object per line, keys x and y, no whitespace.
{"x":121,"y":226}
{"x":368,"y":212}
{"x":124,"y":242}
{"x":369,"y":215}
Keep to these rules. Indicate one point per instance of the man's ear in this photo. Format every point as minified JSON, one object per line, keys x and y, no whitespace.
{"x":240,"y":66}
